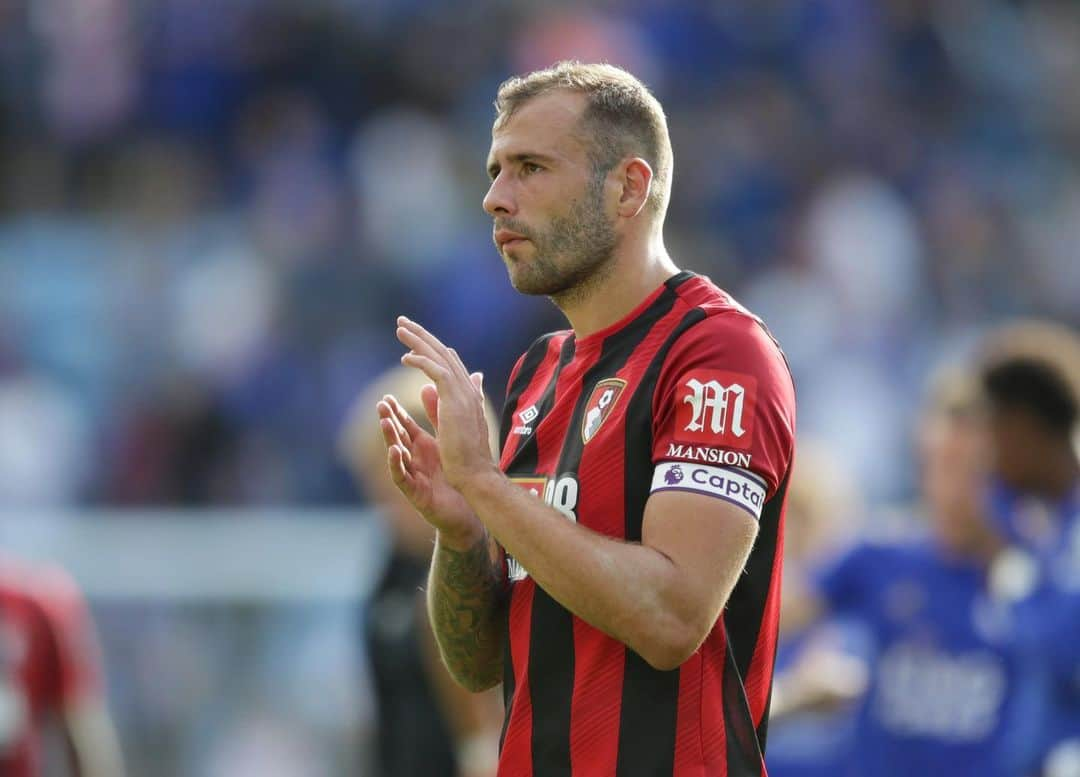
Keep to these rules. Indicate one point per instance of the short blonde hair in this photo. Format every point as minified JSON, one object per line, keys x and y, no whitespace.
{"x":622,"y":117}
{"x":953,"y":393}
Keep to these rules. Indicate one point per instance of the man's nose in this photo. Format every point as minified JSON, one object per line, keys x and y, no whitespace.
{"x":499,"y":200}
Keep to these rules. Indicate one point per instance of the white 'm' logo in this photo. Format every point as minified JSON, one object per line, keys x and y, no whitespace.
{"x":716,"y":404}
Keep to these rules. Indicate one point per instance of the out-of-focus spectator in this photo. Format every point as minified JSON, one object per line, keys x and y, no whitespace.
{"x":44,"y":442}
{"x":178,"y":448}
{"x":428,"y":724}
{"x":50,"y":677}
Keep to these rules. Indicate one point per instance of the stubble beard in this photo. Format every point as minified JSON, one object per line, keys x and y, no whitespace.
{"x":572,"y":256}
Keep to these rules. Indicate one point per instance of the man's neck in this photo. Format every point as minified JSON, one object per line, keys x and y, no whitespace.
{"x":633,"y":276}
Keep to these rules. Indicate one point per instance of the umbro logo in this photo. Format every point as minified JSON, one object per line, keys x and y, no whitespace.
{"x":526,"y":416}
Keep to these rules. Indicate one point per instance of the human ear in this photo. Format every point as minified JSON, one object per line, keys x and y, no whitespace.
{"x":635,"y":177}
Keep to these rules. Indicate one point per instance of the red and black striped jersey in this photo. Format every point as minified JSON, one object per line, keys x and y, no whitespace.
{"x":688,"y":391}
{"x":49,"y":659}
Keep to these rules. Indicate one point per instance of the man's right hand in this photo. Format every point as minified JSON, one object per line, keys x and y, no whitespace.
{"x":413,"y":459}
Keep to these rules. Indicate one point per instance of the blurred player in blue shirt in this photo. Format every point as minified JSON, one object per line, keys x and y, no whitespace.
{"x":943,"y":672}
{"x":1030,"y":381}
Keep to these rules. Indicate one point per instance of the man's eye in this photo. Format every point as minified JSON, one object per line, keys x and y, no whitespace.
{"x":530,"y":167}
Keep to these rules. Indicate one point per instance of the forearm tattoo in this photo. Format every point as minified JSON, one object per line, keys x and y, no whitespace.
{"x":465,"y":601}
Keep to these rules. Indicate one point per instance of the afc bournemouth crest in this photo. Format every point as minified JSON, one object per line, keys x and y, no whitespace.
{"x":601,"y":402}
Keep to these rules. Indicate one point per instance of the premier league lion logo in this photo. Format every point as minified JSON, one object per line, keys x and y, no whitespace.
{"x":673,"y":476}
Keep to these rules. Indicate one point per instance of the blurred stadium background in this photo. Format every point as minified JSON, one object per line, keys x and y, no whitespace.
{"x":212,"y":210}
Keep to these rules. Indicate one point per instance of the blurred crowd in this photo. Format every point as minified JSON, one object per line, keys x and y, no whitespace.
{"x":212,"y":210}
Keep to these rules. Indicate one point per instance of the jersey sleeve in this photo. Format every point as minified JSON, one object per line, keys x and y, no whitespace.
{"x":71,"y":630}
{"x":724,"y":414}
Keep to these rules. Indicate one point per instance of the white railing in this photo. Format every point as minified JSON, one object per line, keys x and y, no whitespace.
{"x":276,"y":555}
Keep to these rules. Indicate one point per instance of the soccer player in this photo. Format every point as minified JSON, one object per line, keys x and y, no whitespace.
{"x":1030,"y":379}
{"x":50,"y":676}
{"x":629,"y":601}
{"x":944,"y":674}
{"x":428,"y":726}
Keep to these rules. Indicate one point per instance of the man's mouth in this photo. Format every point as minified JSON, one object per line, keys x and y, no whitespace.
{"x":504,"y":238}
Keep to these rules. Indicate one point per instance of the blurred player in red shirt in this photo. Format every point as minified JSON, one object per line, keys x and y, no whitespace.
{"x":50,"y":675}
